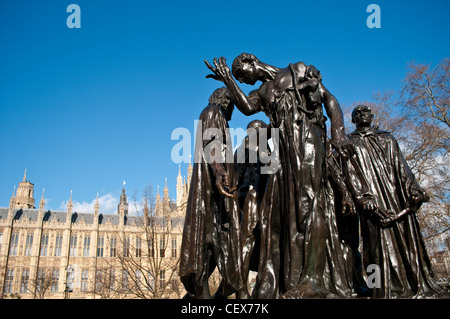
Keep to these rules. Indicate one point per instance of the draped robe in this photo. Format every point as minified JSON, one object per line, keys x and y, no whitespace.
{"x":297,"y":197}
{"x":379,"y":170}
{"x":211,"y":230}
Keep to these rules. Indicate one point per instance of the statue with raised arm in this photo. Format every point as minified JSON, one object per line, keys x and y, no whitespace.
{"x":293,"y":226}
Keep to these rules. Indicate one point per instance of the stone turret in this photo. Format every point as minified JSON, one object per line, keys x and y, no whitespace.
{"x":69,"y":210}
{"x":180,"y":187}
{"x":122,"y":208}
{"x":166,"y":199}
{"x":24,"y":194}
{"x":96,"y":211}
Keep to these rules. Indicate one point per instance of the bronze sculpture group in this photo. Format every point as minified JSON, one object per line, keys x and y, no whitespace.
{"x":298,"y":227}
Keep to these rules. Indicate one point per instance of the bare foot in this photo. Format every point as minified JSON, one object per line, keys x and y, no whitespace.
{"x":306,"y":289}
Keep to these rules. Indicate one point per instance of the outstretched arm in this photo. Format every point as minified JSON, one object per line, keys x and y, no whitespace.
{"x":248,"y":105}
{"x":338,"y":137}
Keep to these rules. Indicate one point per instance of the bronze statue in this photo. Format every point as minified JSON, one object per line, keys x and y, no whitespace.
{"x":251,"y":187}
{"x":211,"y":231}
{"x":347,"y":265}
{"x":388,"y":197}
{"x":293,"y":227}
{"x":250,"y":190}
{"x":298,"y":226}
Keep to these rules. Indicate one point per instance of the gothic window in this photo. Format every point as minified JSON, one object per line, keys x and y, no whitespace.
{"x":9,"y":281}
{"x":24,"y":281}
{"x":162,"y":248}
{"x":55,"y":280}
{"x":86,"y":246}
{"x":112,"y":279}
{"x":40,"y":284}
{"x":58,"y":245}
{"x":126,"y":247}
{"x":174,"y":248}
{"x":162,"y":279}
{"x":175,"y":285}
{"x":29,"y":244}
{"x":84,"y":280}
{"x":113,"y":247}
{"x":70,"y":279}
{"x":138,"y":247}
{"x":151,"y":282}
{"x":151,"y":248}
{"x":44,"y":245}
{"x":100,"y":246}
{"x":125,"y":280}
{"x":138,"y":280}
{"x":14,"y":244}
{"x":99,"y":280}
{"x":73,"y":246}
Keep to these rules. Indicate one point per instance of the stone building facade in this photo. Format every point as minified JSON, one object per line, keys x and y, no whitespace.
{"x":68,"y":254}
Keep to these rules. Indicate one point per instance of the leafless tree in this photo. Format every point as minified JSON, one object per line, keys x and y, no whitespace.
{"x":42,"y":283}
{"x":144,"y":268}
{"x":106,"y":285}
{"x":426,"y":92}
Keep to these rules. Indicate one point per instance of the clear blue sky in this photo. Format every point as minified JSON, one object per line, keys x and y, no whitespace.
{"x":84,"y":109}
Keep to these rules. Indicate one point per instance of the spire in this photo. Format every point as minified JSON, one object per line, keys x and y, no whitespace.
{"x":96,"y":206}
{"x":41,"y":207}
{"x":166,"y":190}
{"x":12,"y":201}
{"x":42,"y":202}
{"x":180,"y":188}
{"x":123,"y":197}
{"x":166,"y":198}
{"x":179,"y":177}
{"x":158,"y":204}
{"x":25,"y":193}
{"x":158,"y":197}
{"x":70,"y":204}
{"x":123,"y":205}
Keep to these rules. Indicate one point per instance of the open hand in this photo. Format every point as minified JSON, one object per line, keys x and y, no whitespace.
{"x":221,"y":70}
